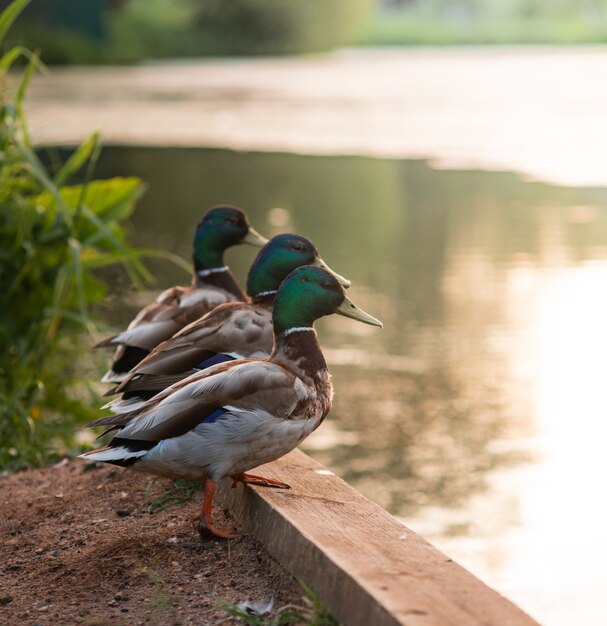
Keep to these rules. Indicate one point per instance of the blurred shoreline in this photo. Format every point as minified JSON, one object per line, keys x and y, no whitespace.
{"x":536,"y":110}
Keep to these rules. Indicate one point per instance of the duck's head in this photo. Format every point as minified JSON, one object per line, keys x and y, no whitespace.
{"x":311,"y":292}
{"x":222,"y":226}
{"x":278,"y":258}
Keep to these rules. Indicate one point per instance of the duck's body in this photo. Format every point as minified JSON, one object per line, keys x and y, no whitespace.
{"x":246,"y":413}
{"x":212,"y":285}
{"x":234,"y":416}
{"x":234,"y":330}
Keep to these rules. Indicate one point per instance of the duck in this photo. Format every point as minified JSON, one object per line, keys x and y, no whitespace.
{"x":212,"y":284}
{"x":230,"y":331}
{"x":230,"y":418}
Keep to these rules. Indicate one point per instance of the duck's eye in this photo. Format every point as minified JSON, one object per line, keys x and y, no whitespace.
{"x":297,"y":246}
{"x":327,"y":285}
{"x":233,"y":220}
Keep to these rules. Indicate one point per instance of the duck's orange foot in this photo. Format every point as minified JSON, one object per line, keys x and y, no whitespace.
{"x":207,"y":530}
{"x":260,"y":481}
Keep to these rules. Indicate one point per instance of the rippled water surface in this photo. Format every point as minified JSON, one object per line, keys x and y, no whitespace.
{"x":478,"y":414}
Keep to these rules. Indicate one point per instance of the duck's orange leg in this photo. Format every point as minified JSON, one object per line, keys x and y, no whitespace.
{"x":261,"y":481}
{"x":205,"y":525}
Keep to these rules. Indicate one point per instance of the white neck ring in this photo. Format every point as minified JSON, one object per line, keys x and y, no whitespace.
{"x":214,"y":270}
{"x":261,"y":294}
{"x":297,"y":329}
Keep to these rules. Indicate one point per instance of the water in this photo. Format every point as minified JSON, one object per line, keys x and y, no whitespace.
{"x":477,"y":415}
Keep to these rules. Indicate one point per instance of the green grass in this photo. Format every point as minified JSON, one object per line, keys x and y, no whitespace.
{"x":180,"y":492}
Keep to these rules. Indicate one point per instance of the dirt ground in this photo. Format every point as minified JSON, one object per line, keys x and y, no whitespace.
{"x":78,"y":546}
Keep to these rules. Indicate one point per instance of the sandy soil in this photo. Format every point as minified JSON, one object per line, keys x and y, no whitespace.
{"x":78,"y":546}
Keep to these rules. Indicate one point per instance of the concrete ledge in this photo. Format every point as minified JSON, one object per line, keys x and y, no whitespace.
{"x":367,"y":568}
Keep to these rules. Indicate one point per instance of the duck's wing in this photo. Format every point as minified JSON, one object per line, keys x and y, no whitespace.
{"x":174,"y":308}
{"x":246,"y":385}
{"x":224,"y":329}
{"x":239,"y":329}
{"x":159,"y":314}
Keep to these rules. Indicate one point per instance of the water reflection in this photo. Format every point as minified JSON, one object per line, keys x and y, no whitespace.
{"x":458,"y":415}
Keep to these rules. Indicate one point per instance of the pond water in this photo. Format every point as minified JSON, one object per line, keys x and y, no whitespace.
{"x":477,"y":415}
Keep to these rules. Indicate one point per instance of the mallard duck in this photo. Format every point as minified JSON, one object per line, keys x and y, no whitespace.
{"x":231,"y":331}
{"x":234,"y":416}
{"x":212,"y":284}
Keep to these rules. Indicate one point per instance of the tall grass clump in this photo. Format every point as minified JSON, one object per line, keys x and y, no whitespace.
{"x":54,"y":237}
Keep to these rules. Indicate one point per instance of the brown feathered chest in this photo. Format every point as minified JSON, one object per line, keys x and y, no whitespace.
{"x":300,"y":352}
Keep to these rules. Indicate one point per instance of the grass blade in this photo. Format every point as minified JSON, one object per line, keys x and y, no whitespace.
{"x":75,"y":250}
{"x":14,"y":53}
{"x":32,"y":162}
{"x":30,"y":68}
{"x":77,"y":160}
{"x":91,"y":259}
{"x":135,"y":269}
{"x":9,"y":15}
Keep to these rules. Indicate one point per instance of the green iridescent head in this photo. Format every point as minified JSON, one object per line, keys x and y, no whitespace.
{"x":311,"y":292}
{"x":278,"y":258}
{"x":223,"y":226}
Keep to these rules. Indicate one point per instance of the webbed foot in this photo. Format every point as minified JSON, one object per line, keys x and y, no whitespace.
{"x":260,"y":481}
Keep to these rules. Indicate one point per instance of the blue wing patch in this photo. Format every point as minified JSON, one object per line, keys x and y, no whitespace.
{"x":214,"y":416}
{"x":214,"y":360}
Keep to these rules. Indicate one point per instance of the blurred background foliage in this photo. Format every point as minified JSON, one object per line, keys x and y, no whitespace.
{"x":55,"y":237}
{"x":124,"y":31}
{"x":119,"y":31}
{"x":448,"y":22}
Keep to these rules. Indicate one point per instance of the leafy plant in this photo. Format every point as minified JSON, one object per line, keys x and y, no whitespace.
{"x":54,"y":238}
